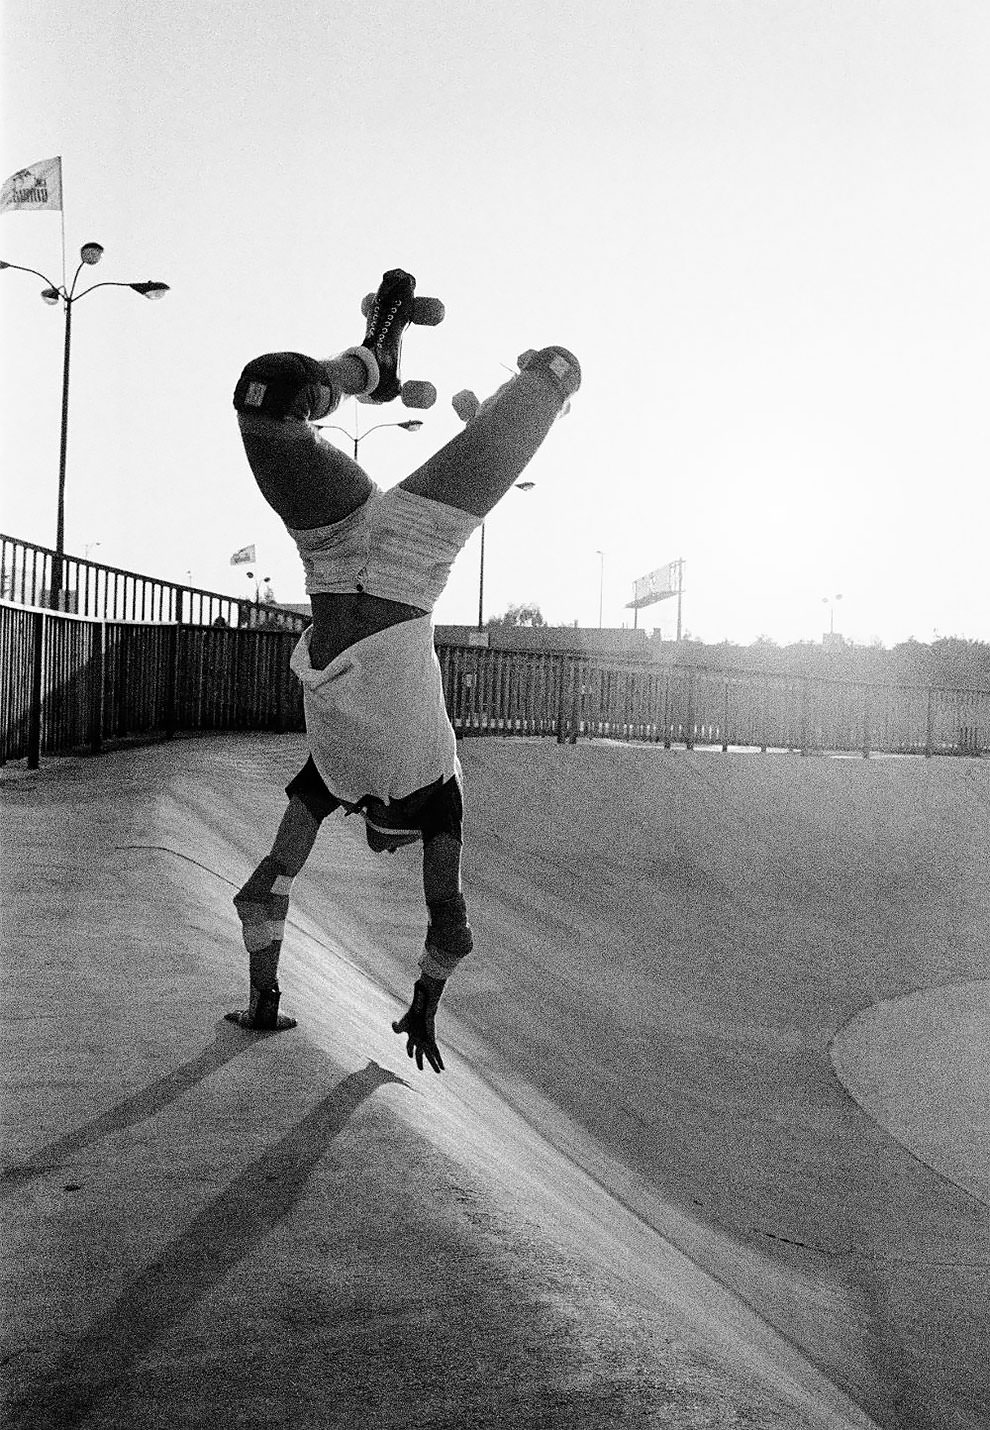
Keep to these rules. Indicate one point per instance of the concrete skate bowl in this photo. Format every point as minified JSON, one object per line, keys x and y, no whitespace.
{"x":669,"y":946}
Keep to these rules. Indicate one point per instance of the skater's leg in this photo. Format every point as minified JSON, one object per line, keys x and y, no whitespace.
{"x":263,"y":903}
{"x":480,"y":464}
{"x":308,"y":481}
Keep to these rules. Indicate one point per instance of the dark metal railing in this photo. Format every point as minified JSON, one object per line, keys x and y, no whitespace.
{"x":89,"y":588}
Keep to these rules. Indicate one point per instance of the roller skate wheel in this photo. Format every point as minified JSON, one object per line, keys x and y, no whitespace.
{"x":418,"y":394}
{"x":366,"y":304}
{"x":427,"y":312}
{"x":465,"y":403}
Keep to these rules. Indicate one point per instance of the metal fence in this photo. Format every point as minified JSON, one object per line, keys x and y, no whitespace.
{"x":110,"y":594}
{"x":574,"y":695}
{"x":236,"y":680}
{"x":72,"y":682}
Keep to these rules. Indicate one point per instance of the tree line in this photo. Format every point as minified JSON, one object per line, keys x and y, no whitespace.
{"x":950,"y":661}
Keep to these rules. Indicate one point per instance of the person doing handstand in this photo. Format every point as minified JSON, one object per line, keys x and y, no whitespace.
{"x":379,"y":737}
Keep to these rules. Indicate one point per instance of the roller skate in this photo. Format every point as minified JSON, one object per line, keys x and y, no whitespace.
{"x":389,"y":312}
{"x":282,"y":385}
{"x":262,"y":1015}
{"x":557,"y":367}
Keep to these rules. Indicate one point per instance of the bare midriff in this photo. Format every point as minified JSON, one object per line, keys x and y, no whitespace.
{"x":341,"y":620}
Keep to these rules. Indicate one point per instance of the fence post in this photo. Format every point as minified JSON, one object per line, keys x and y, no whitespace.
{"x":171,"y":680}
{"x":577,"y":685}
{"x":930,"y":728}
{"x":689,"y":743}
{"x":96,"y":690}
{"x":725,"y":721}
{"x":804,"y":715}
{"x":279,"y":687}
{"x":34,"y":711}
{"x":120,"y":721}
{"x":668,"y":705}
{"x":561,"y":681}
{"x":866,"y":722}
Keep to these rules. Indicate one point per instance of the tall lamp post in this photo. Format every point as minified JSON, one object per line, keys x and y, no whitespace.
{"x":413,"y":425}
{"x":523,"y":487}
{"x":89,"y":254}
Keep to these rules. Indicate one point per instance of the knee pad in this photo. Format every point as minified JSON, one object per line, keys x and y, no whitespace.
{"x":281,"y":385}
{"x":557,"y":366}
{"x":262,"y":906}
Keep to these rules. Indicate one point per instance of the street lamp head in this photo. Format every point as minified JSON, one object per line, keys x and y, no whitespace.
{"x":525,"y":486}
{"x":50,"y":295}
{"x":91,"y":253}
{"x":150,"y":290}
{"x":413,"y":425}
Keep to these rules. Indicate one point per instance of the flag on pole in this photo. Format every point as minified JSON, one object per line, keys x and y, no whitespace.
{"x":244,"y":557}
{"x":38,"y":187}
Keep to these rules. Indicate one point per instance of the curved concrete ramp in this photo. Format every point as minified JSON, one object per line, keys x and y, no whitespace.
{"x":639,"y":1196}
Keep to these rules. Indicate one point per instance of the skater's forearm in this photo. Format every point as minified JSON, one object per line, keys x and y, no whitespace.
{"x":434,"y":988}
{"x":449,"y":937}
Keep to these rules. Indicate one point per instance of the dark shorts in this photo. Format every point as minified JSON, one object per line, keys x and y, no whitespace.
{"x":436,"y":809}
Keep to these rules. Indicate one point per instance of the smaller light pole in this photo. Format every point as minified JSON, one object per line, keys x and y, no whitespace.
{"x":413,"y":425}
{"x":830,"y":602}
{"x":466,"y":405}
{"x":680,"y":594}
{"x":481,"y":583}
{"x":523,"y":487}
{"x":257,"y":585}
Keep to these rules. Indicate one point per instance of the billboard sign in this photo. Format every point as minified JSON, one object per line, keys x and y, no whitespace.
{"x":658,"y":585}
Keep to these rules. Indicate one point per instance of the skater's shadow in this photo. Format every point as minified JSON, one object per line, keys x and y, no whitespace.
{"x":164,"y":1292}
{"x":133,"y":1110}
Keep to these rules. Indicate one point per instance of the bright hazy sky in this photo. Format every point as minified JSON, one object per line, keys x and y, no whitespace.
{"x":762,"y":225}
